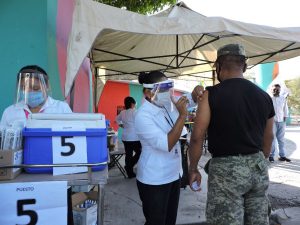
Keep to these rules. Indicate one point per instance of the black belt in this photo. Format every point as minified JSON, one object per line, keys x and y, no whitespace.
{"x":233,"y":154}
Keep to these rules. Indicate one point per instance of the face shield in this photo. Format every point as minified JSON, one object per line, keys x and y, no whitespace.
{"x":161,"y":93}
{"x":32,"y":89}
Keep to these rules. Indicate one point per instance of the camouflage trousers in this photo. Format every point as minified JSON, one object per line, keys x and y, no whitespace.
{"x":237,"y":188}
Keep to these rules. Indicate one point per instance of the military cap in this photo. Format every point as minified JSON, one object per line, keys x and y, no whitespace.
{"x":231,"y":49}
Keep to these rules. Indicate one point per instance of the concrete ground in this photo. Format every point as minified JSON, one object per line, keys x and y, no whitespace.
{"x":122,"y":205}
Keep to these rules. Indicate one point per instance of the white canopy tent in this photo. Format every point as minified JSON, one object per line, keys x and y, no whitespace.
{"x":178,"y":40}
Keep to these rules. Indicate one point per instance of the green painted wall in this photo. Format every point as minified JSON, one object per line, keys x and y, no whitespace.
{"x":52,"y":65}
{"x":136,"y":91}
{"x":22,"y":42}
{"x":264,"y":75}
{"x":28,"y":36}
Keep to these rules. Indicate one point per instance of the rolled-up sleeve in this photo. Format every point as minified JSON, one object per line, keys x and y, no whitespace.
{"x":150,"y":134}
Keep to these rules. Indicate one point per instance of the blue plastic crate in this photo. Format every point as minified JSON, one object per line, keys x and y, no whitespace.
{"x":38,"y":146}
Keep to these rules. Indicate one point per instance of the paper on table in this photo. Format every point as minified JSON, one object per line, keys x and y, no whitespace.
{"x":25,"y":203}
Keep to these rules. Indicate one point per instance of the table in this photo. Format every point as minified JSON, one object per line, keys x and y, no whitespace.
{"x":98,"y":178}
{"x":115,"y":157}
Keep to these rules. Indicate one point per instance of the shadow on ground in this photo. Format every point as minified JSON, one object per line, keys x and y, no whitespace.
{"x":293,"y":166}
{"x":290,"y":146}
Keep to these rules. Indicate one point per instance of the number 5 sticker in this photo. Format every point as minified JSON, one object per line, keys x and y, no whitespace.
{"x":70,"y":144}
{"x":33,"y":203}
{"x":69,"y":149}
{"x":32,"y":214}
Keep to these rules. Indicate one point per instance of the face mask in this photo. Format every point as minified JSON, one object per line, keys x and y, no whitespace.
{"x":35,"y":99}
{"x":163,"y":100}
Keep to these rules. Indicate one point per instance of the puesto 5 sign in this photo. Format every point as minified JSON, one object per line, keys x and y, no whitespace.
{"x":38,"y":203}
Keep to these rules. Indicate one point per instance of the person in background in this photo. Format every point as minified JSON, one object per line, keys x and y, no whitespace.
{"x":281,"y":113}
{"x":238,"y":116}
{"x":32,"y":96}
{"x":159,"y":123}
{"x":125,"y":119}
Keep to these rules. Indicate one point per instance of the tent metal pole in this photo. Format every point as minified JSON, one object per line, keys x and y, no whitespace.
{"x":117,"y":74}
{"x":93,"y":84}
{"x":91,"y":89}
{"x":201,"y":60}
{"x":169,"y":64}
{"x":137,"y":72}
{"x":196,"y":73}
{"x":72,"y":94}
{"x":194,"y":65}
{"x":199,"y":46}
{"x":207,"y":62}
{"x":95,"y":89}
{"x":190,"y":75}
{"x":177,"y":51}
{"x":189,"y":52}
{"x":150,"y":57}
{"x":273,"y":53}
{"x":133,"y":58}
{"x":120,"y":73}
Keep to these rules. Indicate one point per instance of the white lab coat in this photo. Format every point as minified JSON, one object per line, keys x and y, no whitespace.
{"x":16,"y":112}
{"x":156,"y":164}
{"x":126,"y":118}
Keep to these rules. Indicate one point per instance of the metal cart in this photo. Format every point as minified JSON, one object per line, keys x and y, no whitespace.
{"x":98,"y":178}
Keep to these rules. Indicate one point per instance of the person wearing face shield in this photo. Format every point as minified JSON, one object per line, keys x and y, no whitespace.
{"x":32,"y":96}
{"x":238,"y":117}
{"x":281,"y":113}
{"x":159,"y":123}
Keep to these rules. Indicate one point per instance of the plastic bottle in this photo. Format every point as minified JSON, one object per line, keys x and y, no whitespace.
{"x":195,"y":186}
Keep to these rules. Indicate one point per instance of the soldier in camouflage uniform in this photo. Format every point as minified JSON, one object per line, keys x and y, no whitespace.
{"x":238,"y":117}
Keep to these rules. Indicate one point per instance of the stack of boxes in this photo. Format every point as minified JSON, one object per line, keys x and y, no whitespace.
{"x":11,"y":152}
{"x":85,"y":208}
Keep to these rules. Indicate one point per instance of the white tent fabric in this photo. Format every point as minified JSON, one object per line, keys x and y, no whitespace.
{"x":178,"y":40}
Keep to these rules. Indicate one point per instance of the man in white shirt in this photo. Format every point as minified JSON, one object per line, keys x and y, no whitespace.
{"x":32,"y":97}
{"x":281,"y":113}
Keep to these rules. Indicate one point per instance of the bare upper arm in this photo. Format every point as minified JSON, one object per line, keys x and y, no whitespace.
{"x":202,"y":118}
{"x":269,"y":126}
